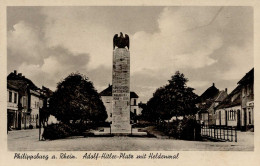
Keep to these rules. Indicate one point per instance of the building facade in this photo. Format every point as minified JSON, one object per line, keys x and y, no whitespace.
{"x":247,"y":100}
{"x":12,"y":107}
{"x":25,"y":101}
{"x":106,"y":97}
{"x":237,"y":110}
{"x":207,"y":103}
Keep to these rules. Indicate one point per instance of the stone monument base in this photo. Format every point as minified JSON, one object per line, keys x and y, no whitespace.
{"x":121,"y":130}
{"x":107,"y":132}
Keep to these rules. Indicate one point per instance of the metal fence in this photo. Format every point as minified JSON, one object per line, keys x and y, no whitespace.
{"x":219,"y":133}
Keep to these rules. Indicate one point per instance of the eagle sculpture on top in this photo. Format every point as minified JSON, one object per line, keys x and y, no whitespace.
{"x":121,"y":41}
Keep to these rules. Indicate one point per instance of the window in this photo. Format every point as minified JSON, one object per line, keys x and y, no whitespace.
{"x":232,"y":115}
{"x":134,"y":101}
{"x":15,"y":97}
{"x":135,"y":111}
{"x":24,"y":101}
{"x":110,"y":114}
{"x":248,"y":90}
{"x":10,"y":97}
{"x":243,"y":92}
{"x":249,"y":116}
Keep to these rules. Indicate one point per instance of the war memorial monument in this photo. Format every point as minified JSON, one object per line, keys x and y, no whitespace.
{"x":121,"y":90}
{"x":121,"y":85}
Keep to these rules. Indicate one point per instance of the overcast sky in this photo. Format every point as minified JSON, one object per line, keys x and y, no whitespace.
{"x":207,"y":44}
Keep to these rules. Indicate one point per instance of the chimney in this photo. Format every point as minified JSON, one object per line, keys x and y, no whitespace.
{"x":19,"y":74}
{"x":15,"y":72}
{"x":226,"y":90}
{"x":213,"y":84}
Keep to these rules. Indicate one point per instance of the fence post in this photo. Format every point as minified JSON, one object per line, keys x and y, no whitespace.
{"x":231,"y":134}
{"x":220,"y":132}
{"x":227,"y":135}
{"x":224,"y":134}
{"x":217,"y":132}
{"x":214,"y":132}
{"x":235,"y":135}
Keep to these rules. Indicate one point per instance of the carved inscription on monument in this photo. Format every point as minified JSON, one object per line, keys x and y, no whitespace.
{"x":121,"y":91}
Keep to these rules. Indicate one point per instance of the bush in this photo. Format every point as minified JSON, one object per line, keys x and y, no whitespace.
{"x":62,"y":130}
{"x":57,"y":131}
{"x":142,"y":124}
{"x":186,"y":129}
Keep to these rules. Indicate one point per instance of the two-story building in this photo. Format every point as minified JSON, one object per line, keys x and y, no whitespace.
{"x":36,"y":103}
{"x":134,"y":103}
{"x":237,"y":109}
{"x":228,"y":111}
{"x":28,"y":98}
{"x":12,"y":106}
{"x":106,"y":97}
{"x":247,"y":100}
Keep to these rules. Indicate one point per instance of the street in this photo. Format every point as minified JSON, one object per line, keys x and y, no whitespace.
{"x":27,"y":140}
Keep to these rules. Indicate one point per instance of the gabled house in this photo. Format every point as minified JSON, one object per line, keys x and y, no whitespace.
{"x":228,"y":111}
{"x":237,"y":109}
{"x":106,"y":97}
{"x":29,"y":100}
{"x":206,"y":104}
{"x":247,"y":100}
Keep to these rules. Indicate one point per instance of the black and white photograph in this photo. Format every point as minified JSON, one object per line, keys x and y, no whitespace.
{"x":130,"y":78}
{"x":129,"y":82}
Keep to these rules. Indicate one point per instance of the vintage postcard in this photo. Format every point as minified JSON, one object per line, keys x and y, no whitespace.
{"x":129,"y":83}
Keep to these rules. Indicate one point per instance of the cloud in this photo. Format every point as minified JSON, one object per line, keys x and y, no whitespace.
{"x":24,"y":44}
{"x":208,"y":44}
{"x":44,"y":65}
{"x":79,"y":34}
{"x":239,"y":61}
{"x":173,"y":47}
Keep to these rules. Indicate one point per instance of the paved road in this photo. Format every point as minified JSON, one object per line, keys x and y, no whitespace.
{"x":24,"y":140}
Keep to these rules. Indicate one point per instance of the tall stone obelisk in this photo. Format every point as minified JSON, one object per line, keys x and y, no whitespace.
{"x":121,"y":86}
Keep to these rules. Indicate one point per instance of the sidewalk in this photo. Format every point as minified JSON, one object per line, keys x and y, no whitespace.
{"x":27,"y":140}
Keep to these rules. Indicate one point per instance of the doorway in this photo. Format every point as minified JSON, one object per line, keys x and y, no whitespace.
{"x":238,"y":119}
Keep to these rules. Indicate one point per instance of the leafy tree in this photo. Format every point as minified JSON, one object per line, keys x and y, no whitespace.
{"x":173,"y":99}
{"x":76,"y":99}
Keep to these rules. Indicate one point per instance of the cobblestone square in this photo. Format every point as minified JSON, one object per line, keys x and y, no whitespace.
{"x":27,"y":140}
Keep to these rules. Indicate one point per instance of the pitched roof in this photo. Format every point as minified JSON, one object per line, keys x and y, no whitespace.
{"x":46,"y":91}
{"x":107,"y":91}
{"x":12,"y":86}
{"x":20,"y":81}
{"x":221,"y":96}
{"x":207,"y":104}
{"x":233,"y":99}
{"x":133,"y":95}
{"x":210,"y":93}
{"x":248,"y":77}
